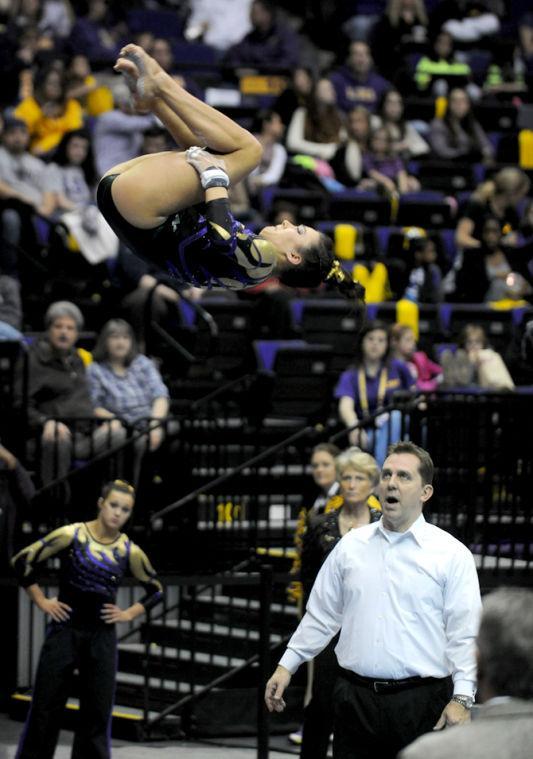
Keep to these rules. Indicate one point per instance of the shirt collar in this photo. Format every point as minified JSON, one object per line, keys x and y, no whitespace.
{"x":417,"y":530}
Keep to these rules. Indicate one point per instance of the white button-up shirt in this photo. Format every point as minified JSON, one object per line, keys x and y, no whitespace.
{"x":406,"y":603}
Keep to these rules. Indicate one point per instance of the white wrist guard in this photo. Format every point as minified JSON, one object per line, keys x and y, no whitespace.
{"x":214,"y":177}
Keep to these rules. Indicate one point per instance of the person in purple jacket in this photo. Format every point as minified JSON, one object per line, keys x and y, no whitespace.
{"x":356,"y":83}
{"x":368,"y":385}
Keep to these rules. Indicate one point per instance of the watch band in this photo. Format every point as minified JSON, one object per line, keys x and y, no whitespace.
{"x":466,"y":701}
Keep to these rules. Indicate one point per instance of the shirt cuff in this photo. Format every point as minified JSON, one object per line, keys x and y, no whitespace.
{"x":291,"y":661}
{"x":464,"y":688}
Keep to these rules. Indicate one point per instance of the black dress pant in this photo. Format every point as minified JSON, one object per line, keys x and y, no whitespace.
{"x":370,"y":725}
{"x":319,"y":715}
{"x":94,"y":653}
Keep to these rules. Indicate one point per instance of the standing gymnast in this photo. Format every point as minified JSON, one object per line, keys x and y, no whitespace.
{"x":95,"y":556}
{"x":173,"y":207}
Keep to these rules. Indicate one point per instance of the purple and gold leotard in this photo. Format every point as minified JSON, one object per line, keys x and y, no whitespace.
{"x":203,"y":246}
{"x":91,"y":571}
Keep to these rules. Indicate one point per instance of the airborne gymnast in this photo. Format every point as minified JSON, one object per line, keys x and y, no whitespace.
{"x":172,"y":207}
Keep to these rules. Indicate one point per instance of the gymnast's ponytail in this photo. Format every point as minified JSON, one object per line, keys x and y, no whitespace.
{"x":320,"y":265}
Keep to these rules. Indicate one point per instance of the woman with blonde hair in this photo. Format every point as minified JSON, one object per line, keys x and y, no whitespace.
{"x":498,"y":198}
{"x":355,"y":506}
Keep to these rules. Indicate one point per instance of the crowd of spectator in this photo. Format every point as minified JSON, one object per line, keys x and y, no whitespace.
{"x":379,"y":105}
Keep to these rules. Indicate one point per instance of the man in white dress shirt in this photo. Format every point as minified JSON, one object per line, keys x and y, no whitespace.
{"x":405,"y":596}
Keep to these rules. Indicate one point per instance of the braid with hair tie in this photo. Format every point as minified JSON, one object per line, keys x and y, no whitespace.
{"x":336,"y":271}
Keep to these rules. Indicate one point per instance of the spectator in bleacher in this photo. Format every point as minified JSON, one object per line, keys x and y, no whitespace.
{"x":368,"y":385}
{"x":83,"y":85}
{"x":317,"y":129}
{"x":492,"y":272}
{"x":525,"y":33}
{"x":125,"y":384}
{"x":155,"y":140}
{"x":499,"y":197}
{"x":269,"y":132}
{"x":459,"y":135}
{"x":17,"y":56}
{"x":403,"y":25}
{"x":426,"y":372}
{"x":353,"y":507}
{"x":49,"y":113}
{"x":295,"y":95}
{"x":71,"y":177}
{"x":440,"y":68}
{"x":118,"y":133}
{"x":59,"y":409}
{"x":384,"y":170}
{"x":503,"y":726}
{"x":161,"y":51}
{"x":46,"y":20}
{"x":468,"y":21}
{"x":10,"y":308}
{"x":424,"y":276}
{"x":347,"y":163}
{"x":70,"y":174}
{"x":406,"y":141}
{"x":356,"y":83}
{"x":204,"y":24}
{"x":23,"y":191}
{"x":95,"y":35}
{"x":270,"y":44}
{"x":489,"y":370}
{"x":52,"y":18}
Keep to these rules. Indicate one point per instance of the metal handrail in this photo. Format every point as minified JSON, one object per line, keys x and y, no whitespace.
{"x":235,"y":470}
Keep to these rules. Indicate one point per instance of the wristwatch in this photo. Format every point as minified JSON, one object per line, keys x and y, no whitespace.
{"x":466,"y":701}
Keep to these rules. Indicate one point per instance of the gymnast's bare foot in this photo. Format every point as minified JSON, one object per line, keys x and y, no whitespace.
{"x":141,"y":73}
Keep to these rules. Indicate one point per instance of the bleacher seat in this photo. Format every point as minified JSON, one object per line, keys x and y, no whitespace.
{"x":363,"y":207}
{"x":424,"y":210}
{"x":496,"y":117}
{"x":234,"y":319}
{"x":331,"y":322}
{"x":161,"y":23}
{"x":297,"y":378}
{"x":311,"y":204}
{"x":446,"y":176}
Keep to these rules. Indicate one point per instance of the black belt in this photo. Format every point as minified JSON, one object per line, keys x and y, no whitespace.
{"x":388,"y":686}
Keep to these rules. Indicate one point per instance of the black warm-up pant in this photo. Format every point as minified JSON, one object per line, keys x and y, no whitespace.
{"x":94,"y":653}
{"x":370,"y":725}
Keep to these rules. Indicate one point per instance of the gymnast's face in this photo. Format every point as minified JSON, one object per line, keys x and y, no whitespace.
{"x":290,"y":239}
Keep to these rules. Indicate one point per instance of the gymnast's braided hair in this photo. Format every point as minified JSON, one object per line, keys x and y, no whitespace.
{"x":320,"y":265}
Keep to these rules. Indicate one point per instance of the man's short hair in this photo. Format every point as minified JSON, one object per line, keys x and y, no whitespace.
{"x":505,"y":642}
{"x":426,"y":467}
{"x":62,"y":308}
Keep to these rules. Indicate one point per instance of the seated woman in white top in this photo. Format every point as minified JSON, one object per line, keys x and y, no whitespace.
{"x":317,"y":129}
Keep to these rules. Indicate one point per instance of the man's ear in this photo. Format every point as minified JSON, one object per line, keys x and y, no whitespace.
{"x":293,"y":257}
{"x":427,"y":492}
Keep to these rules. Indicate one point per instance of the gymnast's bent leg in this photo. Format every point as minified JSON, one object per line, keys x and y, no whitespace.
{"x":148,"y":191}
